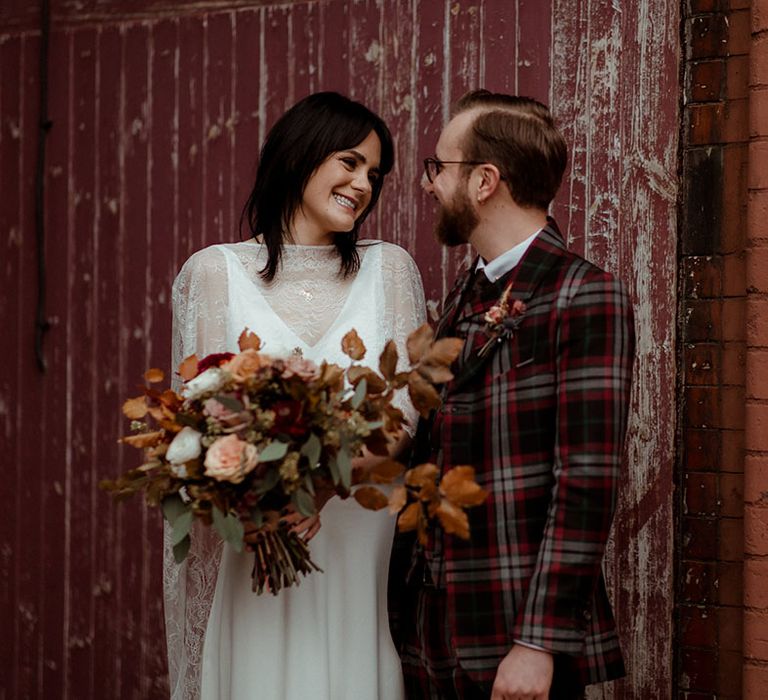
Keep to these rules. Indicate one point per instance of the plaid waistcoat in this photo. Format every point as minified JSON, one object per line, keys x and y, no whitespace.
{"x":542,"y":418}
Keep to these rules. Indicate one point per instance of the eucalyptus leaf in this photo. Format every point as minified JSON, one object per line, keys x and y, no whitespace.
{"x":333,"y":467}
{"x":181,"y":527}
{"x":181,"y":550}
{"x":269,"y":481}
{"x":360,"y":391}
{"x":229,"y":528}
{"x":303,"y":502}
{"x":275,"y":450}
{"x":309,"y":484}
{"x":312,"y":449}
{"x":173,"y":507}
{"x":229,"y":402}
{"x":257,"y":517}
{"x":375,"y":425}
{"x":344,"y":463}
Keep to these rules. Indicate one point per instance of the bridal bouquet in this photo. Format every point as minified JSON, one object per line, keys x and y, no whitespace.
{"x":250,"y":435}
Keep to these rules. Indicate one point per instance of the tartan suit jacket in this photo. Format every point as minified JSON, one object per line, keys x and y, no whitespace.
{"x":542,"y":419}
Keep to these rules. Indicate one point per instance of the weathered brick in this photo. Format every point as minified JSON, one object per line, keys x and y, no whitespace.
{"x":702,"y":364}
{"x":733,"y":363}
{"x":699,"y":669}
{"x":707,"y":36}
{"x":757,"y":322}
{"x":706,"y":80}
{"x":706,"y":123}
{"x":734,"y":267}
{"x":755,"y":529}
{"x":758,"y":64}
{"x":758,"y":112}
{"x":702,"y":407}
{"x":731,"y":539}
{"x":756,"y":635}
{"x":735,"y":121}
{"x":701,"y":214}
{"x":759,"y":23}
{"x":731,"y":495}
{"x":739,"y":35}
{"x":755,"y":676}
{"x":756,"y":480}
{"x":703,"y":320}
{"x":732,"y":451}
{"x":699,"y":583}
{"x":731,"y":407}
{"x":758,"y":157}
{"x":755,"y":588}
{"x":757,"y":213}
{"x":737,"y":77}
{"x":734,"y":320}
{"x":702,"y":449}
{"x":729,"y":672}
{"x":703,"y":276}
{"x":757,"y":374}
{"x":701,"y":494}
{"x":700,"y":538}
{"x":757,"y":269}
{"x":730,"y":582}
{"x":730,"y":628}
{"x":698,"y":626}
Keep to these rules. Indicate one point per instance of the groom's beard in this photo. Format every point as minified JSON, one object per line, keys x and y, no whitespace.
{"x":457,"y":222}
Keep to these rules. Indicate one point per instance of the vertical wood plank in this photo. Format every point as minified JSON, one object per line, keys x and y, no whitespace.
{"x":333,"y":46}
{"x":134,"y":295}
{"x":81,"y":361}
{"x":10,"y":372}
{"x":109,"y":388}
{"x":55,"y":397}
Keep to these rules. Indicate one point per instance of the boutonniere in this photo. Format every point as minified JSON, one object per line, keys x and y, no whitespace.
{"x":502,"y":320}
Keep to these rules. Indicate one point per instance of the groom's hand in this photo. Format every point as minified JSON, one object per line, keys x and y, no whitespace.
{"x":523,"y":674}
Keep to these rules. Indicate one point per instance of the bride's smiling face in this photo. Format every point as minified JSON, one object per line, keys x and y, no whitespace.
{"x":338,"y":192}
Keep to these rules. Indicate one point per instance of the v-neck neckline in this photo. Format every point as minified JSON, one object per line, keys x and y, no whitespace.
{"x":303,"y":344}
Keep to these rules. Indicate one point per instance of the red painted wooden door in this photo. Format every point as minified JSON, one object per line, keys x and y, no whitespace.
{"x":158,"y":110}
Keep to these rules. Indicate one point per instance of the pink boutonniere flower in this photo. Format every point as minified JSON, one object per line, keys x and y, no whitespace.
{"x":502,"y":320}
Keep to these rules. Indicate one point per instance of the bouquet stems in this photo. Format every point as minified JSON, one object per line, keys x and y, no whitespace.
{"x":279,"y":557}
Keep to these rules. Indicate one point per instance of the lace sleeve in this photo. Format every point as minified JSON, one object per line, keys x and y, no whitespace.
{"x":405,"y":311}
{"x":199,"y":326}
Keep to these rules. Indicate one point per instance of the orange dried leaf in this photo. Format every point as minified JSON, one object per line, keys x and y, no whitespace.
{"x":423,"y":395}
{"x":388,"y":360}
{"x":436,"y":374}
{"x":135,"y":409}
{"x":143,"y":440}
{"x":409,"y":519}
{"x":458,"y":485}
{"x":418,"y":343}
{"x":154,"y":375}
{"x":331,"y":375}
{"x":352,"y":346}
{"x":424,"y":479}
{"x":397,"y":499}
{"x":375,"y":384}
{"x":249,"y":341}
{"x":453,"y":519}
{"x":188,"y":368}
{"x":444,"y":351}
{"x":371,"y":498}
{"x":386,"y":472}
{"x":170,"y":399}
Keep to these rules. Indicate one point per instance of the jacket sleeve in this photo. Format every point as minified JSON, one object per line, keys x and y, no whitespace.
{"x":594,"y":349}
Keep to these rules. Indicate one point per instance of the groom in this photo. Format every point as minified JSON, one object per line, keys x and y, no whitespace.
{"x":539,"y":407}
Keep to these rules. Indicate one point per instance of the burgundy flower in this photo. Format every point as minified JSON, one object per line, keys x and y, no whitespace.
{"x":288,"y":418}
{"x":214,"y":360}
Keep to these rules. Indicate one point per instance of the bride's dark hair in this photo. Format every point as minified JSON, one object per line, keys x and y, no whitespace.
{"x":295,"y":147}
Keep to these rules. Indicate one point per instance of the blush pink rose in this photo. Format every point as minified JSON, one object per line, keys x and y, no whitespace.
{"x":301,"y":368}
{"x":230,"y":459}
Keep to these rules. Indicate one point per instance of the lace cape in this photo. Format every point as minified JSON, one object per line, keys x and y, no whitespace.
{"x":304,"y":306}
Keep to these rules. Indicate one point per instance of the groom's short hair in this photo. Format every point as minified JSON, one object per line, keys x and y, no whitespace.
{"x":518,"y":136}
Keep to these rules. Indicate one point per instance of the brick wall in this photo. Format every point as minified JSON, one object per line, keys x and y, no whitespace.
{"x":722,"y":591}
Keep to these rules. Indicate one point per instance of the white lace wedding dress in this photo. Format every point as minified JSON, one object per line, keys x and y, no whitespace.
{"x":327,"y":639}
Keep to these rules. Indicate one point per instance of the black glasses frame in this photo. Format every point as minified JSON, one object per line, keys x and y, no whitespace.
{"x":437,"y":165}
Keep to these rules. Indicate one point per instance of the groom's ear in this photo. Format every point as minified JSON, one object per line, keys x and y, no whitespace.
{"x":488,"y":182}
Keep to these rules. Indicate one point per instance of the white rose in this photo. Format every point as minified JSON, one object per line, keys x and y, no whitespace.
{"x":210,"y":380}
{"x":185,"y":446}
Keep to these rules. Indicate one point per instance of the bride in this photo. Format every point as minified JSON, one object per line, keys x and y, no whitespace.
{"x":300,"y":283}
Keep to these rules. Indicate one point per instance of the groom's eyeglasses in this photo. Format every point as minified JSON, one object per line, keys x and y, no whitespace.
{"x":434,"y":166}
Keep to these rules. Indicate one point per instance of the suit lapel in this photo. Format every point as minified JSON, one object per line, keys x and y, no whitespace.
{"x":525,"y":278}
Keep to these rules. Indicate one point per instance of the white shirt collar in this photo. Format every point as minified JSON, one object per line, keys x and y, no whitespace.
{"x":501,"y":265}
